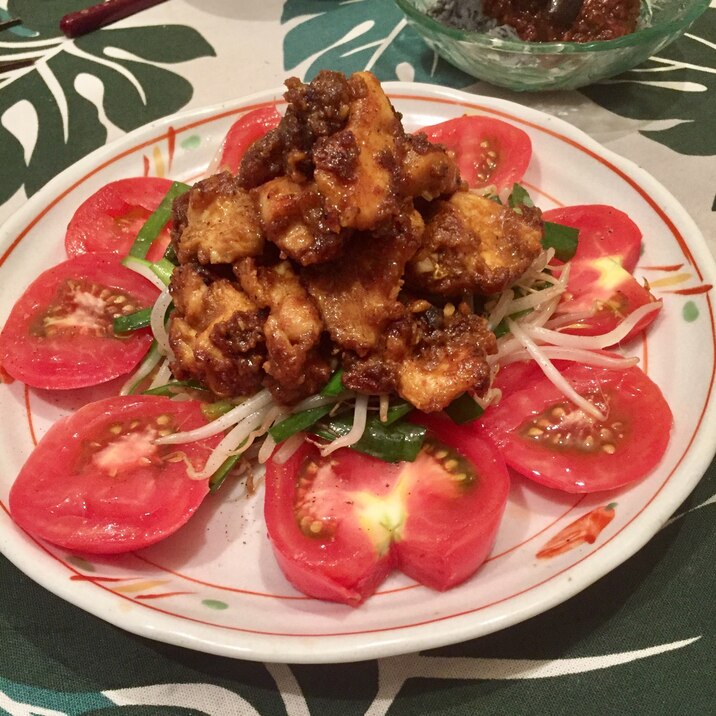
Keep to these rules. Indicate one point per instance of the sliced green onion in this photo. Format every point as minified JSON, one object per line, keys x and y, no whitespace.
{"x":212,"y":411}
{"x":502,"y":329}
{"x":519,"y":197}
{"x":217,"y":479}
{"x":464,"y":409}
{"x":171,"y":255}
{"x":335,"y":385}
{"x":157,"y":221}
{"x":297,"y":422}
{"x":398,"y":442}
{"x":145,"y":368}
{"x":174,"y":386}
{"x":163,"y":270}
{"x":563,"y":239}
{"x":132,"y":321}
{"x":396,"y":412}
{"x":159,"y":274}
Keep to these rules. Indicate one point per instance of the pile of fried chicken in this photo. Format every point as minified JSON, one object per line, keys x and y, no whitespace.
{"x":345,"y":242}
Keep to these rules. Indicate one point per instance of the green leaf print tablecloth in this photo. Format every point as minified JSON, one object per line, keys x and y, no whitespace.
{"x":639,"y":641}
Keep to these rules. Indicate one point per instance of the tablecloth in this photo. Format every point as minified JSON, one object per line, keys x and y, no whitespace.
{"x":639,"y":641}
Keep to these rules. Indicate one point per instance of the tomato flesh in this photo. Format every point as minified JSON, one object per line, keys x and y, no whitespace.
{"x":608,"y":293}
{"x":488,"y":151}
{"x":547,"y":438}
{"x":109,"y":220}
{"x":604,"y":231}
{"x":59,"y":333}
{"x":241,"y":135}
{"x":97,"y":484}
{"x":339,"y":525}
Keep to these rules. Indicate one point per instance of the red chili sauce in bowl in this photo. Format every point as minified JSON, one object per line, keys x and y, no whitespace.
{"x":596,"y":20}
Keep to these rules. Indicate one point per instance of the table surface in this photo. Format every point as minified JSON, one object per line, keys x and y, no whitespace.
{"x":639,"y":641}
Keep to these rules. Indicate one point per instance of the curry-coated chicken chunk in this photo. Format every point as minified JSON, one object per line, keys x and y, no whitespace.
{"x":429,"y":357}
{"x":428,"y":171}
{"x":294,"y":218}
{"x":295,"y":366}
{"x":216,"y":222}
{"x":358,"y":168}
{"x":318,"y":109}
{"x":216,"y":333}
{"x":474,"y":245}
{"x":446,"y":360}
{"x":303,"y":262}
{"x":357,"y":294}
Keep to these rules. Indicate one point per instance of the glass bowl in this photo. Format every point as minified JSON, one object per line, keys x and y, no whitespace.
{"x":531,"y":66}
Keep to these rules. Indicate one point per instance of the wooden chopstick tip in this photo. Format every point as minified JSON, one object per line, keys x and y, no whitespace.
{"x":93,"y":18}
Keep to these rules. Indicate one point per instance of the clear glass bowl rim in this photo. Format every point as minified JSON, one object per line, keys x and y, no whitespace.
{"x":640,"y":37}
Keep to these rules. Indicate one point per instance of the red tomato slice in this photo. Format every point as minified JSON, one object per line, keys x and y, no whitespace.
{"x":487,"y":150}
{"x":242,"y":134}
{"x":603,"y":231}
{"x":339,"y":525}
{"x":600,"y":286}
{"x":59,"y":333}
{"x":111,"y":218}
{"x":96,"y":483}
{"x":545,"y":437}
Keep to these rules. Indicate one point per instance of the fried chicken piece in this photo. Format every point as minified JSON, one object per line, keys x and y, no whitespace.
{"x":428,"y":358}
{"x":216,"y":222}
{"x":216,"y":333}
{"x":472,"y":244}
{"x":428,"y":171}
{"x":357,"y":294}
{"x":314,"y":110}
{"x":295,"y":366}
{"x":357,"y":169}
{"x":446,"y":362}
{"x":294,"y":219}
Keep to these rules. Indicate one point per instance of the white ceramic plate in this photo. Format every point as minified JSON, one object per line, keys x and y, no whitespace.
{"x":214,"y":585}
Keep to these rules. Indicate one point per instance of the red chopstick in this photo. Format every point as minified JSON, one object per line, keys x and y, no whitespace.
{"x":104,"y":13}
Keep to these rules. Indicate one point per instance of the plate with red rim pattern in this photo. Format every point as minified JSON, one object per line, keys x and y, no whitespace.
{"x":214,"y":585}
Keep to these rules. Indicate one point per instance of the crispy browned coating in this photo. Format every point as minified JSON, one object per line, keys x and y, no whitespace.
{"x":306,"y":251}
{"x":216,"y":333}
{"x":357,"y":294}
{"x":428,"y":171}
{"x":357,"y":169}
{"x":314,"y":110}
{"x":294,"y":218}
{"x":429,"y":358}
{"x":446,"y":362}
{"x":474,"y":245}
{"x":216,"y":222}
{"x":293,"y":329}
